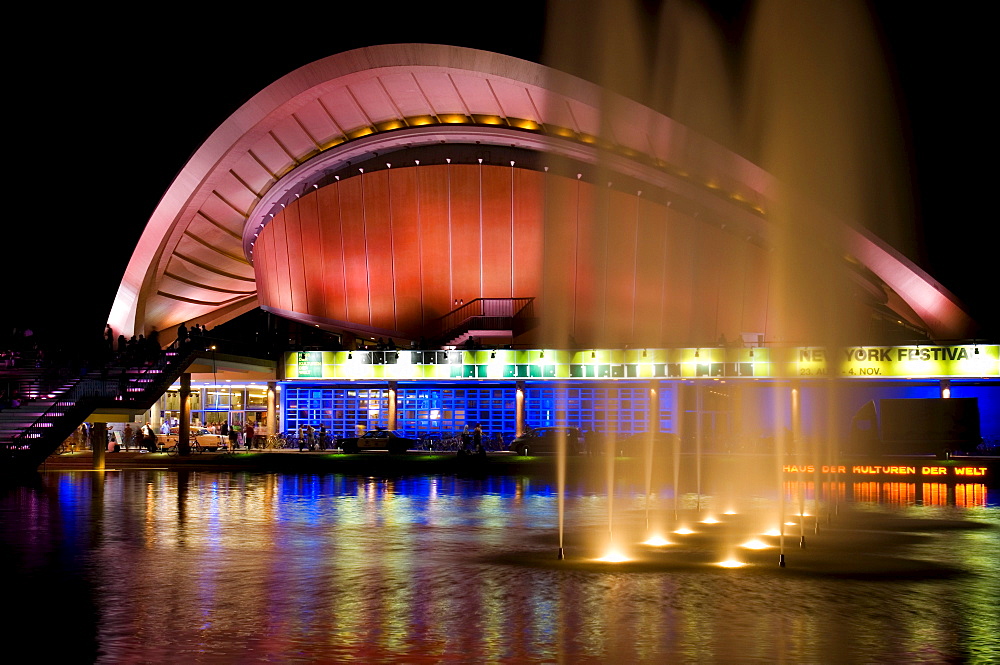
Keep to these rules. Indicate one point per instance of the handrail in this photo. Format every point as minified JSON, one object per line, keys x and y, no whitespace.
{"x":507,"y":308}
{"x":119,"y":385}
{"x":91,"y":392}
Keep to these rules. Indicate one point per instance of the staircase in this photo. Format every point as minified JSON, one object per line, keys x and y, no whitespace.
{"x":32,"y":432}
{"x":503,"y":318}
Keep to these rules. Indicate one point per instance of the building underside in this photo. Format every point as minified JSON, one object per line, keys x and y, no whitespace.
{"x":375,"y":191}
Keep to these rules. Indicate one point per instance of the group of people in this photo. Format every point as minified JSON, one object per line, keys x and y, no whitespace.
{"x":248,"y":433}
{"x":472,"y":442}
{"x":185,"y":334}
{"x":144,"y":437}
{"x":311,"y":438}
{"x":136,"y":348}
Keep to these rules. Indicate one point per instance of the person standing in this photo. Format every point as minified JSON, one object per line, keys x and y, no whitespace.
{"x":477,"y":439}
{"x":148,"y":437}
{"x":248,"y":433}
{"x":127,"y":435}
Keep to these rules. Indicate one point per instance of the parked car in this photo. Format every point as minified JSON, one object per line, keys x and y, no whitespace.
{"x":200,"y":437}
{"x":380,"y":439}
{"x":545,"y":440}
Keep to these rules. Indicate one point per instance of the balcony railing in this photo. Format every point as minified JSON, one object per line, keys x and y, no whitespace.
{"x":487,"y":314}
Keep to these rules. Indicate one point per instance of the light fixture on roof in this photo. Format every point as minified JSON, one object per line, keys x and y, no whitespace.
{"x":480,"y":160}
{"x":388,"y":165}
{"x":512,"y":162}
{"x":362,"y":170}
{"x":448,"y":159}
{"x":417,"y":162}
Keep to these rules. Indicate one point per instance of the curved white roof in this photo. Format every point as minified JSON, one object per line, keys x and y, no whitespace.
{"x":192,"y":261}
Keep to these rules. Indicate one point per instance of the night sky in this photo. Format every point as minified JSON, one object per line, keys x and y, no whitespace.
{"x":106,"y":114}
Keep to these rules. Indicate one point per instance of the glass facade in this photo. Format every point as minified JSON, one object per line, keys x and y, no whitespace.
{"x":435,"y":408}
{"x":341,"y":409}
{"x":214,"y":405}
{"x":447,"y":409}
{"x":622,"y":409}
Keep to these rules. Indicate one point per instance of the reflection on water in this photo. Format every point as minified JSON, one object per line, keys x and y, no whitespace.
{"x":965,"y":495}
{"x":156,"y":566}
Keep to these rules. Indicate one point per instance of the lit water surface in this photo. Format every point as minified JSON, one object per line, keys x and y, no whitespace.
{"x":156,"y":566}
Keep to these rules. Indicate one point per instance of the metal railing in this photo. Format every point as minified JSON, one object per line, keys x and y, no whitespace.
{"x":485,"y":314}
{"x":131,"y":387}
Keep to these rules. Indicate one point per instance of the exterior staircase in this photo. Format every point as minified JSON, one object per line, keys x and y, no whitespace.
{"x":487,"y":318}
{"x":33,"y":431}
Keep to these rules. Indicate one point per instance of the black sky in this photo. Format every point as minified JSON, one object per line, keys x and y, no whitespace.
{"x":110,"y":113}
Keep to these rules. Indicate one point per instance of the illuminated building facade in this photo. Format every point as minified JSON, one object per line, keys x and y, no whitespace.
{"x":402,"y":191}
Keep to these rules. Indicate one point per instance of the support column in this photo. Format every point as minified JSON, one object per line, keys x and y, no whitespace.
{"x":519,"y":408}
{"x":155,"y":416}
{"x":184,"y":429}
{"x":675,"y":411}
{"x":272,"y":426}
{"x":99,"y":444}
{"x":653,"y":413}
{"x":796,"y":399}
{"x":699,"y":434}
{"x":392,"y":405}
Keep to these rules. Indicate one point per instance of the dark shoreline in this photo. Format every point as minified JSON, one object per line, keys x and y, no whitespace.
{"x":883,"y":469}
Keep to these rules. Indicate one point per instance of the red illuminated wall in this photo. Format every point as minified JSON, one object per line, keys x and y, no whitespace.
{"x":392,"y":250}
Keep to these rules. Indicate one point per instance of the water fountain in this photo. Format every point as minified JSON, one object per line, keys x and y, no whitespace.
{"x":796,"y":62}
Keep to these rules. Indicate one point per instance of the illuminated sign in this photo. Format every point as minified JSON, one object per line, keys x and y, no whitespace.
{"x":957,"y":361}
{"x":309,"y":364}
{"x":895,"y":361}
{"x":932,"y":470}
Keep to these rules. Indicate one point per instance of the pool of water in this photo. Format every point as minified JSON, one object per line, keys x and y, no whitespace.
{"x":163,"y":566}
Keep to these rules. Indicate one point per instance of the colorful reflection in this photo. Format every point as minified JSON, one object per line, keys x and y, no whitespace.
{"x":161,"y":566}
{"x":966,"y":495}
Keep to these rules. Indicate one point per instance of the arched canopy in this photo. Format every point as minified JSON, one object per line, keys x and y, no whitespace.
{"x":194,"y":260}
